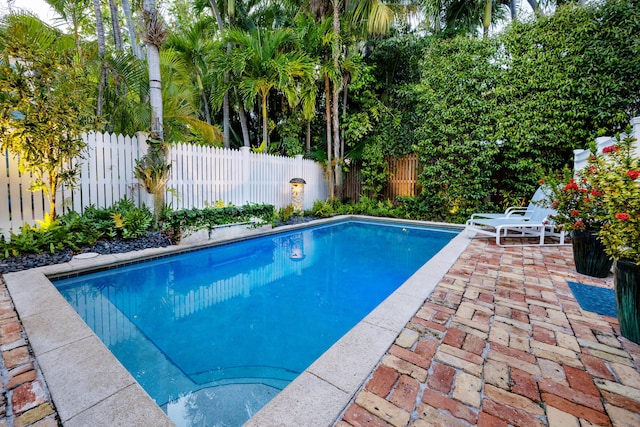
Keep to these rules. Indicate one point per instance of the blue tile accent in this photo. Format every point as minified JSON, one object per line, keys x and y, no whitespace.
{"x":594,"y":298}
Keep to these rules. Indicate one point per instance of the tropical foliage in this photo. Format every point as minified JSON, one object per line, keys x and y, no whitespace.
{"x":350,"y":83}
{"x":72,"y":231}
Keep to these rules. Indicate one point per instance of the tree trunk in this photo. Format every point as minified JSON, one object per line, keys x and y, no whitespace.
{"x":102,"y":81}
{"x":265,"y":121}
{"x":115,"y":25}
{"x":336,"y":141}
{"x":155,"y":91}
{"x":345,"y":95}
{"x":226,"y":120}
{"x":52,"y":188}
{"x":243,"y":120}
{"x":308,"y":138}
{"x":486,"y":19}
{"x":226,"y":109}
{"x":203,"y":95}
{"x":336,"y":49}
{"x":101,"y":54}
{"x":99,"y":29}
{"x":327,"y":102}
{"x":131,"y":27}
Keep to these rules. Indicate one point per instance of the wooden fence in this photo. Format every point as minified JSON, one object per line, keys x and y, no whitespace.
{"x":402,"y":181}
{"x":200,"y":177}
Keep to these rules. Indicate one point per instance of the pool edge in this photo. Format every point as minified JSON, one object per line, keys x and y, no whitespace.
{"x":79,"y":371}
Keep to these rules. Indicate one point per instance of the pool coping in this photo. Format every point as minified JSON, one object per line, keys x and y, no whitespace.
{"x":88,"y":385}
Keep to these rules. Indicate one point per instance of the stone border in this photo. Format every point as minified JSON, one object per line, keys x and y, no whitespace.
{"x":89,"y":385}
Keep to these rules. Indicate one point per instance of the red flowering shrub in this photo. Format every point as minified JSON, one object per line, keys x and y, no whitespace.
{"x":575,"y":199}
{"x":616,"y":176}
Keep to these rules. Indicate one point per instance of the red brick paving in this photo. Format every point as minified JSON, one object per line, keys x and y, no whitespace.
{"x":508,"y":345}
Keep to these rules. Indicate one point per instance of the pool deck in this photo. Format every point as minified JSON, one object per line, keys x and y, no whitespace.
{"x":499,"y":341}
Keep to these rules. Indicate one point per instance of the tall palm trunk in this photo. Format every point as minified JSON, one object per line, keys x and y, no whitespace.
{"x":486,"y":18}
{"x":337,"y":86}
{"x":102,"y":49}
{"x":244,"y":125}
{"x":265,"y":120}
{"x":154,"y":37}
{"x":131,"y":28}
{"x":226,"y":119}
{"x":115,"y":25}
{"x":327,"y":111}
{"x":307,"y":138}
{"x":203,"y":95}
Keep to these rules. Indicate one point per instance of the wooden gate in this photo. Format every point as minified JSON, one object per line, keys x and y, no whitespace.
{"x":403,"y":179}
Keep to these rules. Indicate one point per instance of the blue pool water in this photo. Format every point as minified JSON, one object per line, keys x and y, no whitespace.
{"x":212,"y":335}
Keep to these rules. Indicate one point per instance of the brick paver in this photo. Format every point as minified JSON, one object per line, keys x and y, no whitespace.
{"x":508,"y":345}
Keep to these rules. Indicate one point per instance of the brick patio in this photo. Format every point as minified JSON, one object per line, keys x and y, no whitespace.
{"x":501,"y":341}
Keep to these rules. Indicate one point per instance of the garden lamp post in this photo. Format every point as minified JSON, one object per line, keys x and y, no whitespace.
{"x":297,"y":194}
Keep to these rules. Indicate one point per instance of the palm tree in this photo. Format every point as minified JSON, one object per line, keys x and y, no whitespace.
{"x":152,"y":169}
{"x":74,"y":13}
{"x":193,"y":44}
{"x":267,"y":60}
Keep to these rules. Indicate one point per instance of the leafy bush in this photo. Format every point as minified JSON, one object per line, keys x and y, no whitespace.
{"x":52,"y":235}
{"x":72,"y":230}
{"x":406,"y":208}
{"x":123,"y":219}
{"x":286,"y":213}
{"x":412,"y":207}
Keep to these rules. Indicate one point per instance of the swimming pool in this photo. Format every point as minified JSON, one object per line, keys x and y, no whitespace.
{"x":344,"y":269}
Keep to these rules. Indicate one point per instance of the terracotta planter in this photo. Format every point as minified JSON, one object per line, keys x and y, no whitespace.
{"x":589,"y":255}
{"x":627,"y":283}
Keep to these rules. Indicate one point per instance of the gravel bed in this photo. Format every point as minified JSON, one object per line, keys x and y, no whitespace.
{"x":114,"y":246}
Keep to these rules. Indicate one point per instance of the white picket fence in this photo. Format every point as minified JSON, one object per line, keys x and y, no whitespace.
{"x":200,"y":177}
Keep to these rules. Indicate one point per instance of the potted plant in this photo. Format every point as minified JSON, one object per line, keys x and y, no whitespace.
{"x":579,"y":210}
{"x":617,"y":175}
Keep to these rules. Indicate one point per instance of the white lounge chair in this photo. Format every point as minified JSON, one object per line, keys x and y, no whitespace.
{"x":515,"y":211}
{"x":537,"y":225}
